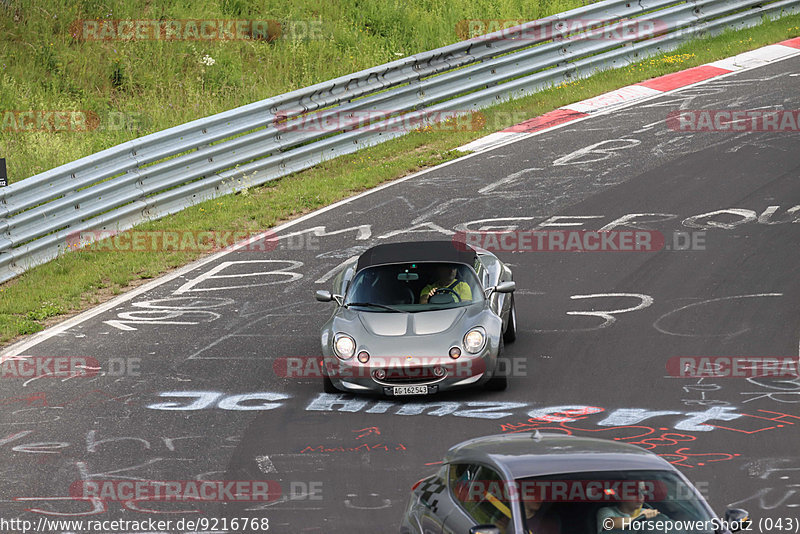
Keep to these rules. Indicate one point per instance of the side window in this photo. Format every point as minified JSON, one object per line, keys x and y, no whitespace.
{"x":491,"y":506}
{"x":481,"y":493}
{"x":460,"y":478}
{"x":355,"y":289}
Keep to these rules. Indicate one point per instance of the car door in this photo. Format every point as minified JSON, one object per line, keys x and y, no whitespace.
{"x":477,"y":493}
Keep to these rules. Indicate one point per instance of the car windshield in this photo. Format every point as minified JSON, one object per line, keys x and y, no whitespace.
{"x":585,"y":502}
{"x":414,"y":287}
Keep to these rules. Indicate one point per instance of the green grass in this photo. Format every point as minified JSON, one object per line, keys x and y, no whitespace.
{"x":154,"y":85}
{"x":78,"y":280}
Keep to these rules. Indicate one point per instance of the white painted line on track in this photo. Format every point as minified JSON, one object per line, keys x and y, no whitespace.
{"x":265,"y":465}
{"x":755,"y":58}
{"x":613,"y":98}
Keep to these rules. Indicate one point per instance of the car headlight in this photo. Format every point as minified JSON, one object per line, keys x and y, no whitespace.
{"x":344,"y":346}
{"x":474,"y":340}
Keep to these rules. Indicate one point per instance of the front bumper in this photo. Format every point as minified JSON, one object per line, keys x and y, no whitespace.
{"x":381,"y":374}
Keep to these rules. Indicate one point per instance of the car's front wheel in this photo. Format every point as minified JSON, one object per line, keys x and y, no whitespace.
{"x":499,"y":381}
{"x":511,"y":330}
{"x":327,"y":384}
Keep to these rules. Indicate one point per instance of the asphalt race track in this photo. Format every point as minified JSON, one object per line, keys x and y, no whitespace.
{"x":190,"y":388}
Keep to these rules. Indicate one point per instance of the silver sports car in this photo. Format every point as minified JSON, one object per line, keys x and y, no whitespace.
{"x":532,"y":483}
{"x":418,"y":318}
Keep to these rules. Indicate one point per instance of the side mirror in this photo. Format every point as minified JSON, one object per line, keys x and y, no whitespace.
{"x":737,"y":519}
{"x":323,"y":296}
{"x":326,"y":296}
{"x":502,"y":287}
{"x":484,"y":529}
{"x":506,"y":287}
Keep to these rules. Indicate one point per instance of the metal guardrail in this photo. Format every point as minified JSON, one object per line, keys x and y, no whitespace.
{"x":165,"y":172}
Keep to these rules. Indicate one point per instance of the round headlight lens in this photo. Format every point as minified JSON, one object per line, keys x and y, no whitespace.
{"x":455,"y":353}
{"x":473,"y":341}
{"x":363,"y":356}
{"x":345,"y":346}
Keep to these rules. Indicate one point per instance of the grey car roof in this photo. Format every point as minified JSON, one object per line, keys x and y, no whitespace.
{"x":521,"y":456}
{"x":417,"y":251}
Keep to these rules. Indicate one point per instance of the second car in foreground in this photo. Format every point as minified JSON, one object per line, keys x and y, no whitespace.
{"x":532,"y":483}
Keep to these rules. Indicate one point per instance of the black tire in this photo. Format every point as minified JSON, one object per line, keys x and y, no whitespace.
{"x":499,"y":381}
{"x":327,"y":385}
{"x":511,"y":330}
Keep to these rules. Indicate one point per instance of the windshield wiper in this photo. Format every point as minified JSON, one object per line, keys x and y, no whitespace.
{"x":374,"y":305}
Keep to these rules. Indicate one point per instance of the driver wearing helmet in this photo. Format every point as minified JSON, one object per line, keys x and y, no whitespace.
{"x":446,"y":282}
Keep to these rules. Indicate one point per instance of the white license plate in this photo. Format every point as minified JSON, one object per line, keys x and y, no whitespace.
{"x":410,"y":390}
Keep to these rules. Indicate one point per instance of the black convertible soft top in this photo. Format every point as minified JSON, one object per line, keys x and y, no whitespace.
{"x":417,"y":251}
